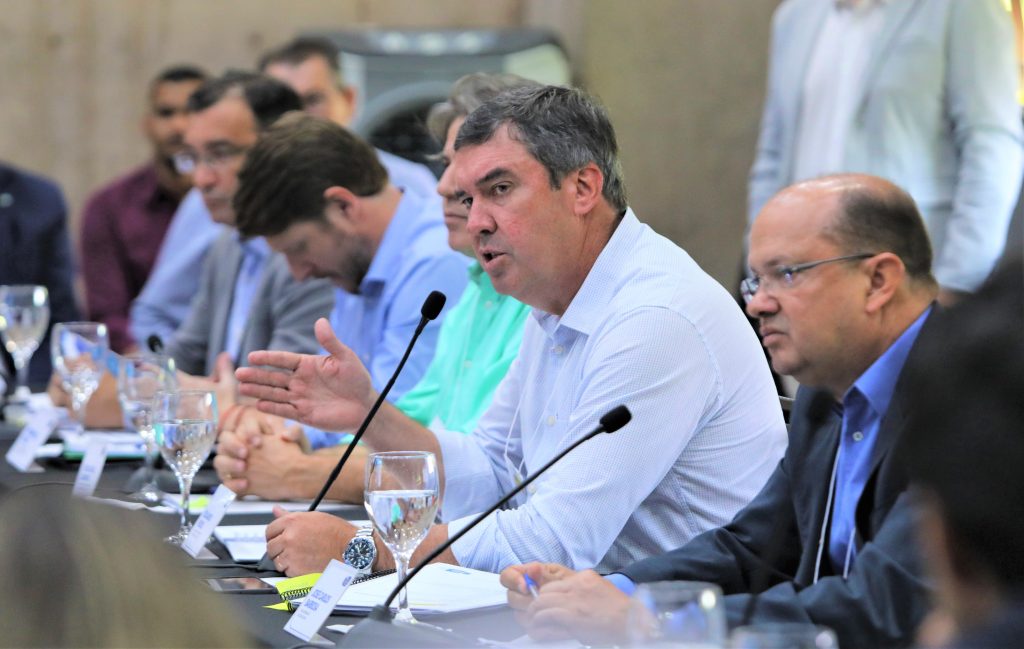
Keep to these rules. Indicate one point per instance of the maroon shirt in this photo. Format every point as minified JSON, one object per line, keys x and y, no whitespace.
{"x":122,"y":228}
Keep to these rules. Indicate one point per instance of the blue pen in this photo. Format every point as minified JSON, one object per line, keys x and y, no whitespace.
{"x":531,"y":586}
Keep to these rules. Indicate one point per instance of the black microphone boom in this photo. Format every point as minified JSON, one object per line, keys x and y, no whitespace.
{"x":430,"y":310}
{"x":377,"y":630}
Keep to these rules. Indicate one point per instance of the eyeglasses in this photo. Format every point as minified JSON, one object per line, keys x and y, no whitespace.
{"x":217,"y":158}
{"x":784,"y":275}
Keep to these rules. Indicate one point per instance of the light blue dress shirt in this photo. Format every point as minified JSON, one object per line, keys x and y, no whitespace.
{"x":864,"y":405}
{"x":164,"y":302}
{"x":255,"y":253}
{"x":648,"y":329}
{"x":377,"y":322}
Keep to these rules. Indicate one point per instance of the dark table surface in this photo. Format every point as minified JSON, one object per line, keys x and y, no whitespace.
{"x":265,"y":625}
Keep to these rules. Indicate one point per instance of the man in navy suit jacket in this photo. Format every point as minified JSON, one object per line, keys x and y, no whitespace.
{"x":34,"y":249}
{"x":841,"y":287}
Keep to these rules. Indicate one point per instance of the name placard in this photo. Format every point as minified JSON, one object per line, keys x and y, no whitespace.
{"x":326,"y":592}
{"x":204,"y":526}
{"x":22,"y":453}
{"x":91,"y":468}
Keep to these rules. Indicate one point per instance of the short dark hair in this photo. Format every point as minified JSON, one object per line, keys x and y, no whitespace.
{"x":284,"y":176}
{"x":177,"y":74}
{"x":875,"y":220}
{"x":564,"y":129}
{"x":964,"y":440}
{"x":299,"y":50}
{"x":267,"y":98}
{"x":468,"y":93}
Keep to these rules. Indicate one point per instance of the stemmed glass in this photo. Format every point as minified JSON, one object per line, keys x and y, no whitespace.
{"x":185,"y":424}
{"x":782,"y":635}
{"x":402,"y":498}
{"x":79,"y":352}
{"x":139,"y":378}
{"x":677,"y":613}
{"x":24,"y":314}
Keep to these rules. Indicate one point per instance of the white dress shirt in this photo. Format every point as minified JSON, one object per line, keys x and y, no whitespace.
{"x":833,"y":85}
{"x":648,"y":329}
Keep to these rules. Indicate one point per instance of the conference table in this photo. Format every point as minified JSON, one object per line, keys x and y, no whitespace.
{"x":266,"y":626}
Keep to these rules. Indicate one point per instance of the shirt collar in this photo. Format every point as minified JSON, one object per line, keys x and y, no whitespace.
{"x":879,"y":380}
{"x":589,"y":303}
{"x":387,"y":258}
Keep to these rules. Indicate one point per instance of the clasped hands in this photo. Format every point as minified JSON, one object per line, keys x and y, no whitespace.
{"x":303,"y":542}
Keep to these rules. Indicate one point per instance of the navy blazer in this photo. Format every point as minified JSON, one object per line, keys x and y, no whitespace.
{"x":885,"y":596}
{"x":35,"y":249}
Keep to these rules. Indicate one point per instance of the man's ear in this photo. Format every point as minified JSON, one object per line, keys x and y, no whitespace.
{"x":341,"y":203}
{"x":886,"y":273}
{"x":587,"y":187}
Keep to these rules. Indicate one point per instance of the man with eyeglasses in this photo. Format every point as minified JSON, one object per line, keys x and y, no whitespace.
{"x":247,"y":298}
{"x":841,"y":285}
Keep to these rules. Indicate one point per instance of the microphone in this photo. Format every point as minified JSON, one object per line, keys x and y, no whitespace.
{"x":378,"y":631}
{"x":429,"y":311}
{"x":817,"y":410}
{"x":155,"y":344}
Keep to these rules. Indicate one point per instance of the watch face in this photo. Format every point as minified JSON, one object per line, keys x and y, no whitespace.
{"x":360,"y":553}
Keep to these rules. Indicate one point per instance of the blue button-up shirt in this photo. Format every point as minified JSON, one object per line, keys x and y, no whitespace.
{"x":864,"y":405}
{"x":377,"y":323}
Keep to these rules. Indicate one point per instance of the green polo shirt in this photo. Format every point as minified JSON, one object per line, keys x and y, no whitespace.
{"x":478,"y":340}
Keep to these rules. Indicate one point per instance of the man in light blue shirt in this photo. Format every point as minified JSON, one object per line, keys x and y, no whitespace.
{"x":319,"y":196}
{"x":620,"y":315}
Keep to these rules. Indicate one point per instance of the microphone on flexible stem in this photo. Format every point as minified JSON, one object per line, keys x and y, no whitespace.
{"x":378,"y":631}
{"x":817,"y":410}
{"x":429,"y":311}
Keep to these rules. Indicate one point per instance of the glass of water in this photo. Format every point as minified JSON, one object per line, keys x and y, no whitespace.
{"x":677,"y":613}
{"x":140,"y":377}
{"x":79,"y":351}
{"x":402,"y":498}
{"x":781,"y":635}
{"x":24,"y":315}
{"x":185,"y":424}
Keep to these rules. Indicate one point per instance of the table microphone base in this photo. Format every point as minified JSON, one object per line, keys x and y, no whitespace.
{"x":380,"y":630}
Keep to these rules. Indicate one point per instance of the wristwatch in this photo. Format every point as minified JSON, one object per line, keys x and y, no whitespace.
{"x":361,"y":552}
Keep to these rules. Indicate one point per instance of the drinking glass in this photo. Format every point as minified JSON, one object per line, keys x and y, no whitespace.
{"x":185,"y":424}
{"x":139,"y":378}
{"x":402,"y":498}
{"x":783,"y":636}
{"x":688,"y":613}
{"x":24,"y":314}
{"x":79,"y":352}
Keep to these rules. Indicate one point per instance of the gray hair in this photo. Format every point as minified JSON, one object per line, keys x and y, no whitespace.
{"x":564,"y":129}
{"x":467,"y":94}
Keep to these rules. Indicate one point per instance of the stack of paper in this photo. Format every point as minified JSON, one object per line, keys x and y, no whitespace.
{"x":438,"y":588}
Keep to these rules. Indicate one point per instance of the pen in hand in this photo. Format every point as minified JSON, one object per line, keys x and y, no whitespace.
{"x":531,"y":586}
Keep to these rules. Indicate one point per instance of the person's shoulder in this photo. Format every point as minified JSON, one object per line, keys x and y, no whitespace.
{"x":123,"y":189}
{"x":16,"y":180}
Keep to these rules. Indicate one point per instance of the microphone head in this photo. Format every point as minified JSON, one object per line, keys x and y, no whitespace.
{"x":615,"y":418}
{"x":432,"y":305}
{"x":155,"y":344}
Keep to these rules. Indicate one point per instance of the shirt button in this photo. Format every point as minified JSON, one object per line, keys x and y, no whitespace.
{"x":552,"y":420}
{"x":488,"y":304}
{"x":558,"y":349}
{"x":858,"y":436}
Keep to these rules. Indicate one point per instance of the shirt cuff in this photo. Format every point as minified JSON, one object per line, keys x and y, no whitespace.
{"x":622,"y":582}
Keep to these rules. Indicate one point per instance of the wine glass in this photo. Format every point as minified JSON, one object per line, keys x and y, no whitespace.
{"x":677,"y":613}
{"x":139,"y":378}
{"x":185,"y":424}
{"x":402,"y":498}
{"x":781,"y":635}
{"x":79,"y":352}
{"x":24,"y":314}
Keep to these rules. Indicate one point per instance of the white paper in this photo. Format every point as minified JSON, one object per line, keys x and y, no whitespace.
{"x":207,"y":522}
{"x":22,"y":453}
{"x":119,"y":444}
{"x":317,"y":606}
{"x":249,"y":542}
{"x":251,"y":505}
{"x":91,"y":468}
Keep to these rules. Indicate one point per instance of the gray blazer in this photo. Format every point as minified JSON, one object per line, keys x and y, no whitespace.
{"x":281,"y":317}
{"x":938,"y":116}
